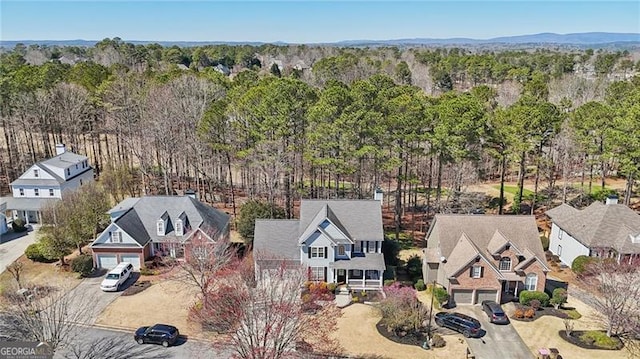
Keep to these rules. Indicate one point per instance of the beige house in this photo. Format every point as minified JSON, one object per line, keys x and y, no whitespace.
{"x":484,"y":257}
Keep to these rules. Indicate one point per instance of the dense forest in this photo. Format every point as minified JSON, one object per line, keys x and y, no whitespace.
{"x":291,"y":122}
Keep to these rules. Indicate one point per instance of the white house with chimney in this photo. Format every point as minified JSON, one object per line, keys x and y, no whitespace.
{"x":44,"y":182}
{"x":609,"y":230}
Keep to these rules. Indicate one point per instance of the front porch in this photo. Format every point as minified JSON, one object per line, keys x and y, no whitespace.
{"x":167,"y":249}
{"x":359,"y":279}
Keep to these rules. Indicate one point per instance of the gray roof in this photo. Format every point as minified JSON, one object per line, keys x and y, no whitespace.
{"x":370,"y":261}
{"x":26,"y":204}
{"x":277,"y":237}
{"x":473,"y":235}
{"x":64,"y":160}
{"x":40,"y":182}
{"x":600,"y":225}
{"x":124,"y":205}
{"x":140,"y":220}
{"x":357,"y":219}
{"x":360,"y":219}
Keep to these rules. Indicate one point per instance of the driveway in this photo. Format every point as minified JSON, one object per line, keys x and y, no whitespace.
{"x":12,"y":245}
{"x":89,"y":298}
{"x":500,"y":341}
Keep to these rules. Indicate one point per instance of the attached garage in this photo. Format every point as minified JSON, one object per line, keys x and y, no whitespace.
{"x":486,"y":294}
{"x":107,"y":261}
{"x":134,"y":259}
{"x":462,"y":296}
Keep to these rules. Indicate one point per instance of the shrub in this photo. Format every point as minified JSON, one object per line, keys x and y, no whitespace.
{"x":545,"y":242}
{"x":420,"y":286}
{"x":82,"y":264}
{"x":580,"y":264}
{"x":18,"y":225}
{"x":526,"y":296}
{"x":559,"y":297}
{"x":414,"y":267}
{"x":389,"y":282}
{"x":519,"y":313}
{"x":331,"y":287}
{"x":34,"y":253}
{"x":600,"y":339}
{"x":535,"y":304}
{"x":441,"y":295}
{"x":147,"y":271}
{"x":437,"y":341}
{"x":529,"y":313}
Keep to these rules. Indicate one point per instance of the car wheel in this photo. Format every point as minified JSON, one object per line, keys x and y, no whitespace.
{"x":440,"y":322}
{"x":466,"y":334}
{"x":140,"y":341}
{"x":165,"y":343}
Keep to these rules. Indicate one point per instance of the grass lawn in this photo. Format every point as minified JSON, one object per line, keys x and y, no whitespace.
{"x":39,"y":274}
{"x":513,"y":190}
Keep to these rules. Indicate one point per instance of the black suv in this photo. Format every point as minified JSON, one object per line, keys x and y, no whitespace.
{"x":495,"y":312}
{"x":468,"y":326}
{"x":157,"y":334}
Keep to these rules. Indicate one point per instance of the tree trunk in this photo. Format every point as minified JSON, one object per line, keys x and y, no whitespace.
{"x":503,"y":172}
{"x":521,"y":177}
{"x":535,"y":186}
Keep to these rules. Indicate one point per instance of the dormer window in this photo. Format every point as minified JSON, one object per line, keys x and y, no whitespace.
{"x":505,"y":264}
{"x":36,"y":173}
{"x":179,"y":228}
{"x":160,"y":227}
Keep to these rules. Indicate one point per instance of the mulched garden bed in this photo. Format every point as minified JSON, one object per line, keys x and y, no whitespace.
{"x":575,"y":339}
{"x":409,"y":338}
{"x":371,"y":296}
{"x":542,"y":312}
{"x":136,"y":288}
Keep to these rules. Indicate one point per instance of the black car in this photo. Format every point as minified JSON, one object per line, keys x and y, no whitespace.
{"x":495,"y":312}
{"x":468,"y":326}
{"x":157,"y":334}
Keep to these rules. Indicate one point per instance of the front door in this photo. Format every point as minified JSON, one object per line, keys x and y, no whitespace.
{"x":341,"y":277}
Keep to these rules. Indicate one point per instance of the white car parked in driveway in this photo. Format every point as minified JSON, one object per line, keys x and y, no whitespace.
{"x":116,"y":277}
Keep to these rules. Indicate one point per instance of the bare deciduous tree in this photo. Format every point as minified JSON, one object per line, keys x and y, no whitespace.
{"x":15,"y":269}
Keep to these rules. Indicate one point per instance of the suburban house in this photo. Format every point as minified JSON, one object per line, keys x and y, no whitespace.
{"x":150,"y":226}
{"x":45,"y":182}
{"x":609,"y":230}
{"x":484,"y":257}
{"x":339,"y":241}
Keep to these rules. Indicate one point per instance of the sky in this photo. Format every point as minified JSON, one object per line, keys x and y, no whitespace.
{"x":306,"y":21}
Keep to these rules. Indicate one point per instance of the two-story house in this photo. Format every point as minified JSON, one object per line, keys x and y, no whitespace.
{"x":339,"y":241}
{"x":47,"y":181}
{"x":484,"y":257}
{"x":150,"y":226}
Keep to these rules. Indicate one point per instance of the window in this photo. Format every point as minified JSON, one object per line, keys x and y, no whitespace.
{"x":358,"y":247}
{"x":371,"y":274}
{"x":316,"y":273}
{"x":116,"y":237}
{"x":560,"y":232}
{"x":371,"y":247}
{"x":81,"y":181}
{"x":505,"y":263}
{"x":22,"y":191}
{"x":179,"y":228}
{"x":36,"y":192}
{"x":476,"y":272}
{"x":51,"y":192}
{"x":531,"y":281}
{"x":559,"y":250}
{"x":68,"y":172}
{"x":160,"y":227}
{"x":356,"y":273}
{"x":76,"y":166}
{"x":341,"y":250}
{"x":317,"y":252}
{"x":36,"y":173}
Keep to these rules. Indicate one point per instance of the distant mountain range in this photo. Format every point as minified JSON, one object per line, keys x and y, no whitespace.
{"x":579,"y":39}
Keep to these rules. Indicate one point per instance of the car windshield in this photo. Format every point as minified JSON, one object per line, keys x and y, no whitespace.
{"x":112,"y":276}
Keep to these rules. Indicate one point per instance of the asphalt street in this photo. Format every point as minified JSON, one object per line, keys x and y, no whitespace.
{"x":92,"y":342}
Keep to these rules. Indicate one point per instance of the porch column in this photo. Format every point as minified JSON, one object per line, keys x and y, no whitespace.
{"x":380,"y":273}
{"x":26,"y":217}
{"x":346,"y":281}
{"x":516,"y":291}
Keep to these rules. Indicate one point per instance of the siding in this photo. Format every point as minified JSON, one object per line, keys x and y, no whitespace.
{"x":571,"y":248}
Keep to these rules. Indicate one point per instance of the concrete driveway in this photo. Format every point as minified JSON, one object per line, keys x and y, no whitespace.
{"x":500,"y":341}
{"x":12,"y":245}
{"x":91,"y":300}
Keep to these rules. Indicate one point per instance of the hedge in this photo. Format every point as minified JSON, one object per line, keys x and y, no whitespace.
{"x":579,"y":265}
{"x":526,"y":296}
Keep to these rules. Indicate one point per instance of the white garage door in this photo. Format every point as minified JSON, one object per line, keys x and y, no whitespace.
{"x":462,"y":296}
{"x":134,"y":259}
{"x":485,"y":294}
{"x":107,"y":261}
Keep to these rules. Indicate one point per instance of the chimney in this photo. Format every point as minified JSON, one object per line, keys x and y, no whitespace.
{"x":60,"y":149}
{"x":612,"y":199}
{"x":191,"y":193}
{"x":378,"y":195}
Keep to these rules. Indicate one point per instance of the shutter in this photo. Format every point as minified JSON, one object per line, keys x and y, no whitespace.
{"x":481,"y":272}
{"x":376,"y":247}
{"x":325,"y":256}
{"x":325,"y":274}
{"x":309,"y":252}
{"x":471,"y":272}
{"x":366,"y":248}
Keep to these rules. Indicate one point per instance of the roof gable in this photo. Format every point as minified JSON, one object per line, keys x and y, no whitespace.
{"x":328,"y":227}
{"x":359,"y":220}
